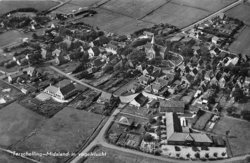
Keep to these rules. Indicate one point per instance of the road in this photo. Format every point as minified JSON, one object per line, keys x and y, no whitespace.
{"x":76,"y":80}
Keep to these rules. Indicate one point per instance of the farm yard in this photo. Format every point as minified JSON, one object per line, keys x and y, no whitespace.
{"x":67,"y":131}
{"x":242,"y":42}
{"x":7,"y":6}
{"x":16,"y":122}
{"x":238,"y":134}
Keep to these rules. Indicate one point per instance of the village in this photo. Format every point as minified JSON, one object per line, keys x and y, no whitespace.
{"x":171,"y":87}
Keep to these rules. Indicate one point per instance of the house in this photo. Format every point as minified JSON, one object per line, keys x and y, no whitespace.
{"x":64,"y":90}
{"x":31,"y":71}
{"x":56,"y":52}
{"x":247,"y":81}
{"x":175,"y":135}
{"x":93,"y":51}
{"x":105,"y":98}
{"x":144,"y":80}
{"x":125,"y":121}
{"x":13,"y":77}
{"x":215,"y":52}
{"x":111,"y":48}
{"x":148,"y":34}
{"x":215,"y":39}
{"x":140,"y":100}
{"x":172,"y":106}
{"x":59,"y":60}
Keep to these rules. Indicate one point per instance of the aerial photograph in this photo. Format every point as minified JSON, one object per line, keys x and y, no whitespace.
{"x":124,"y":81}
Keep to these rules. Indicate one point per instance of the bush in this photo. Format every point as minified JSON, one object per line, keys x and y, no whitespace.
{"x":177,"y":148}
{"x":197,"y":155}
{"x":177,"y":155}
{"x":207,"y":155}
{"x":195,"y":149}
{"x":215,"y":154}
{"x":205,"y":148}
{"x":223,"y":154}
{"x":188,"y":155}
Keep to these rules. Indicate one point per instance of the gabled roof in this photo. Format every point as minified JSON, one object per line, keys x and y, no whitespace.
{"x":125,"y":121}
{"x":171,"y":106}
{"x":66,"y":86}
{"x":106,"y":97}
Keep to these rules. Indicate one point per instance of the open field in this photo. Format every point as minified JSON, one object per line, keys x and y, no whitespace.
{"x":238,"y":136}
{"x":242,"y":43}
{"x":176,"y":15}
{"x":8,"y":158}
{"x":114,"y":156}
{"x":65,"y":132}
{"x":16,"y":122}
{"x":40,"y":5}
{"x":10,"y":37}
{"x":133,"y":8}
{"x":117,"y":23}
{"x":207,"y":5}
{"x":241,"y":12}
{"x":87,"y":3}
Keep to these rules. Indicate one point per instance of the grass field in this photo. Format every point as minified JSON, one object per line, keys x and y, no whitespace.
{"x":8,"y":158}
{"x":238,"y":136}
{"x":114,"y":22}
{"x":10,"y":37}
{"x":133,"y":8}
{"x":206,"y":5}
{"x":114,"y":156}
{"x":242,"y":43}
{"x":16,"y":122}
{"x":40,"y":5}
{"x":177,"y":15}
{"x":65,"y":132}
{"x":241,"y":12}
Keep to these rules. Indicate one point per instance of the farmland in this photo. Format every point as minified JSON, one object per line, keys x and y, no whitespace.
{"x":176,"y":15}
{"x":118,"y":156}
{"x":10,"y":37}
{"x":124,"y":17}
{"x":241,"y":44}
{"x":7,"y":6}
{"x":239,"y":133}
{"x":16,"y":122}
{"x":65,"y":132}
{"x":241,"y":12}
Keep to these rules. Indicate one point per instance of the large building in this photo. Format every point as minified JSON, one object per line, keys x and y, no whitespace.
{"x":175,"y":135}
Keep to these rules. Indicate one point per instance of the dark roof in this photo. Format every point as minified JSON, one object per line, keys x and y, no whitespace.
{"x":141,"y":99}
{"x":66,"y":86}
{"x":172,"y":106}
{"x":96,"y":50}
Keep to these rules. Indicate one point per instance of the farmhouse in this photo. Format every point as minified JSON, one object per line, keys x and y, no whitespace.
{"x":105,"y":98}
{"x":175,"y":136}
{"x":140,"y":100}
{"x":64,"y":90}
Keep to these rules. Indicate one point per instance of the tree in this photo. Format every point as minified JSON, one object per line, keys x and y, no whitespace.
{"x":152,"y":121}
{"x":231,"y":109}
{"x":188,"y":155}
{"x":207,"y":155}
{"x":148,"y":138}
{"x":238,"y":94}
{"x":215,"y":154}
{"x":197,"y":155}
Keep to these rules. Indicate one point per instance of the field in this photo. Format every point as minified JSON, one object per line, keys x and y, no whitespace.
{"x":176,"y":15}
{"x":206,"y":5}
{"x":238,"y":136}
{"x":115,"y":22}
{"x":133,"y":8}
{"x":40,"y":5}
{"x":241,"y":12}
{"x":125,"y":17}
{"x":10,"y":37}
{"x":242,"y":43}
{"x":65,"y":132}
{"x":8,"y":158}
{"x":16,"y":122}
{"x":114,"y":156}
